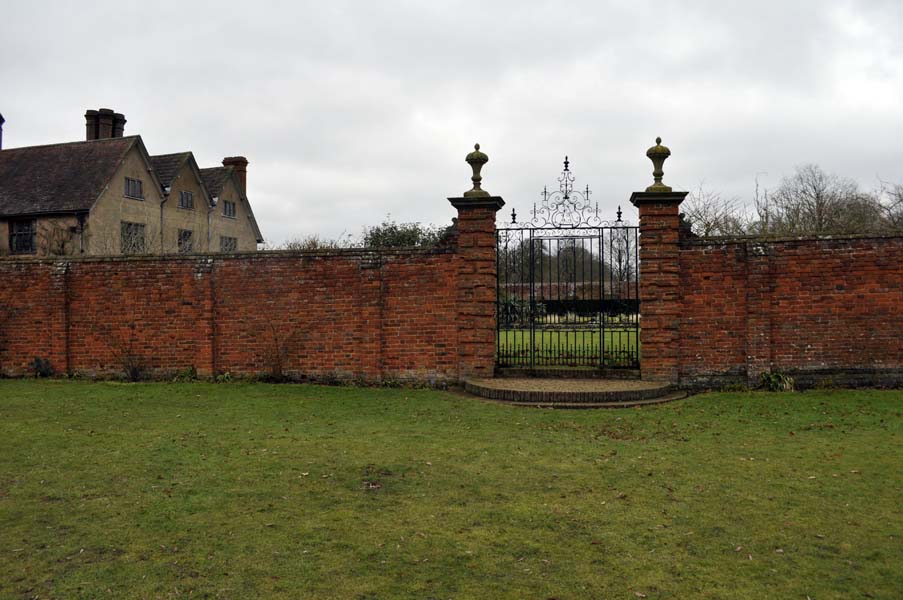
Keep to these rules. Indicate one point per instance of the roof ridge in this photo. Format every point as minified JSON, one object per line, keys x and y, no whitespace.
{"x":125,"y":137}
{"x":183,"y":153}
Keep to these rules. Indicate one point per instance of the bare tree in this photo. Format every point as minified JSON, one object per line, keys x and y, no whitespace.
{"x":57,"y":239}
{"x":761,"y":224}
{"x":814,"y":202}
{"x":281,"y":341}
{"x":124,"y":346}
{"x":127,"y":238}
{"x":890,"y":199}
{"x":711,"y":214}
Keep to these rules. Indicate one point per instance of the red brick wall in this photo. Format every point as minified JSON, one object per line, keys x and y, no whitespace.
{"x":32,"y":313}
{"x":476,"y":290}
{"x":713,"y":311}
{"x":816,"y":308}
{"x":332,"y":315}
{"x":659,"y":283}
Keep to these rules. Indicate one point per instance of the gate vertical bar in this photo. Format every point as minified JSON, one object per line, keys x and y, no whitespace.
{"x":532,"y":305}
{"x":601,"y":307}
{"x":636,"y":283}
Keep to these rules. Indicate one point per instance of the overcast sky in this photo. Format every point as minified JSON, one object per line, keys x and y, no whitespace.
{"x":349,"y":111}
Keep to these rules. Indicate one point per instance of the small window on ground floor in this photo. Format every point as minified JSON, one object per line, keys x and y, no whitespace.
{"x":22,"y":236}
{"x":186,"y":243}
{"x":132,"y":238}
{"x":228,"y":244}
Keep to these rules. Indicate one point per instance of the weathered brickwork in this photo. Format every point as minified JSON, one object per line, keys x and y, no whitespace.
{"x":345,"y":315}
{"x":659,"y":283}
{"x":823,"y":310}
{"x":713,"y":311}
{"x":476,"y":291}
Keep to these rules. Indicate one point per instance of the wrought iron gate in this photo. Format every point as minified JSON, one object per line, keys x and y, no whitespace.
{"x":568,"y":286}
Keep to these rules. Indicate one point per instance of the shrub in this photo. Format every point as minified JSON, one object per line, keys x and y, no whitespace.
{"x":189,"y":374}
{"x":390,"y":234}
{"x":775,"y":381}
{"x":41,"y":367}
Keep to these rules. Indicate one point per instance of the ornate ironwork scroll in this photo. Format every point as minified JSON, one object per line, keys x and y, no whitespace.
{"x":567,"y":208}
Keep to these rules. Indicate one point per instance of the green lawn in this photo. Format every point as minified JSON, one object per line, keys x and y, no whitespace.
{"x":562,"y":347}
{"x":250,"y":490}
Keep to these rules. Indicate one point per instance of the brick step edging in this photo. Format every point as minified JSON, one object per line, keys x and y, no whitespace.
{"x":587,"y":405}
{"x":553,"y":373}
{"x":566,"y":397}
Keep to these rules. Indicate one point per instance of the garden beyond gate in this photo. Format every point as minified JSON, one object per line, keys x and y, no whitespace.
{"x":568,"y":286}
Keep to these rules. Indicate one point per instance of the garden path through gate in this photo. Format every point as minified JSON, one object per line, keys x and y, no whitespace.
{"x":568,"y":286}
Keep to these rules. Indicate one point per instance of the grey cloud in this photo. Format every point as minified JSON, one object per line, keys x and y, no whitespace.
{"x":350,"y":110}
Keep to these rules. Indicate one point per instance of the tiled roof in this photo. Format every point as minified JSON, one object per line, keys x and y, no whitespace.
{"x":167,"y":166}
{"x":58,"y":177}
{"x":215,"y":178}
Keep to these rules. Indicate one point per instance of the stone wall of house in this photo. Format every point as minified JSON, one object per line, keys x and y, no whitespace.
{"x":827,"y":311}
{"x":195,"y":219}
{"x":103,"y":232}
{"x":238,"y":227}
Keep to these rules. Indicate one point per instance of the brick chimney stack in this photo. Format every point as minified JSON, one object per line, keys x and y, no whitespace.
{"x":2,"y":121}
{"x":239,"y":165}
{"x":104,"y":123}
{"x":118,"y":124}
{"x":90,"y":125}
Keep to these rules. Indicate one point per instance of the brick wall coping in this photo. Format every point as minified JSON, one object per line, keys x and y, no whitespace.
{"x":260,"y":255}
{"x":776,"y":239}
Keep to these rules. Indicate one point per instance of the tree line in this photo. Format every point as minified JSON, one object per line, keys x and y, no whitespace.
{"x":810,"y":201}
{"x":388,"y":234}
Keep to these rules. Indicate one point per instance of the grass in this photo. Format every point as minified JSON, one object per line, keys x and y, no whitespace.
{"x":250,"y":490}
{"x":568,"y":347}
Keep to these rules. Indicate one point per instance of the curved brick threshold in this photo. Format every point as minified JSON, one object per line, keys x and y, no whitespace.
{"x":566,"y":373}
{"x":573,"y":393}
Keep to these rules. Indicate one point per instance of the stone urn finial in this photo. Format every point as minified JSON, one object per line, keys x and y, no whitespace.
{"x":657,"y":154}
{"x":476,"y":160}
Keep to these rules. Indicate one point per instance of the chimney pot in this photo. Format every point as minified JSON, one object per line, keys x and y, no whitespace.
{"x":118,"y":124}
{"x":90,"y":125}
{"x":239,"y":165}
{"x":104,"y":123}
